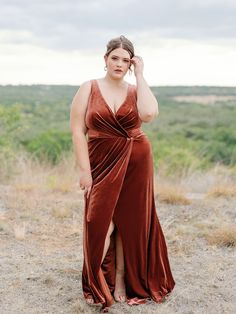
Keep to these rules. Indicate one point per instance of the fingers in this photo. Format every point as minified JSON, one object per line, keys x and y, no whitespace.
{"x":137,"y":58}
{"x":86,"y":190}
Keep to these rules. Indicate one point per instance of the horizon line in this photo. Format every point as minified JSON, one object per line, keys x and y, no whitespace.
{"x":169,"y":85}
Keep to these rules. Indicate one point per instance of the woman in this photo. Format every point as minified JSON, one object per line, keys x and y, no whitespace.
{"x":125,"y":254}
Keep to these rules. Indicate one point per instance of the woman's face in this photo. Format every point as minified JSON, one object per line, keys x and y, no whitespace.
{"x":118,"y":62}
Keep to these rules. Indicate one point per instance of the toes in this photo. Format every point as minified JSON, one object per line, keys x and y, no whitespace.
{"x":120,"y":298}
{"x":123,"y":298}
{"x":90,"y":301}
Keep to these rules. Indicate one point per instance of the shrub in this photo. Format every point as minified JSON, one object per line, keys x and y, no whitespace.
{"x":50,"y":145}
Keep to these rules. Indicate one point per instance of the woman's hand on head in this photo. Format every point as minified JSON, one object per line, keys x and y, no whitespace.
{"x":137,"y":61}
{"x":85,"y":181}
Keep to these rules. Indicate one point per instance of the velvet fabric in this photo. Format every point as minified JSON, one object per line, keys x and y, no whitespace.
{"x":121,"y":162}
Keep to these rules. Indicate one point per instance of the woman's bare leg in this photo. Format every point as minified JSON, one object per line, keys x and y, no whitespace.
{"x":119,"y":292}
{"x":107,"y":240}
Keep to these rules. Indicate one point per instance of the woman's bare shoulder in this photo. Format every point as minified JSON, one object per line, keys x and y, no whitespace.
{"x":84,"y":89}
{"x":83,"y":92}
{"x":86,"y":84}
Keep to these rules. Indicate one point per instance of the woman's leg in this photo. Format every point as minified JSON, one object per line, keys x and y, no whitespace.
{"x":107,"y":240}
{"x":119,"y":292}
{"x":119,"y":253}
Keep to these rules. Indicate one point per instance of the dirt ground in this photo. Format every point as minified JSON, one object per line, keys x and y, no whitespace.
{"x":41,"y":255}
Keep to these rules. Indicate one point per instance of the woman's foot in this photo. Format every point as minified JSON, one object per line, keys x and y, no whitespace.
{"x":89,"y":300}
{"x":119,"y":293}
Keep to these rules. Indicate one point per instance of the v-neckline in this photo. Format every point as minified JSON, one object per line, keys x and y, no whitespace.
{"x":105,"y":102}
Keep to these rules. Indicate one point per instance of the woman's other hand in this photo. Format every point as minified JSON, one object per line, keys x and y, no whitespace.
{"x":137,"y":61}
{"x":85,"y":181}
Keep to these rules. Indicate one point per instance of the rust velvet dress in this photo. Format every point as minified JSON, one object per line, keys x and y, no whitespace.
{"x":122,"y":190}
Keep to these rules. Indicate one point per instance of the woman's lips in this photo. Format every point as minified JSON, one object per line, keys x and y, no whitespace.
{"x":119,"y":71}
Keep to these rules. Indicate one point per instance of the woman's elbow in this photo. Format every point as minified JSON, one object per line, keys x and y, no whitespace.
{"x":149,"y":116}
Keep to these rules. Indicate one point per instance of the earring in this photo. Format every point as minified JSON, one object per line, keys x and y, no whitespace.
{"x":105,"y":68}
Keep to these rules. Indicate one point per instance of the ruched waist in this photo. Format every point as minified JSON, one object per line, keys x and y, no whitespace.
{"x":132,"y":134}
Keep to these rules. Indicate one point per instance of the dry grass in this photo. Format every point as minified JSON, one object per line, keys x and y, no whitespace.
{"x":62,"y":212}
{"x":38,"y":186}
{"x":171,"y":194}
{"x":23,"y":187}
{"x":223,"y":236}
{"x":180,"y":248}
{"x":31,"y":175}
{"x":222,"y":190}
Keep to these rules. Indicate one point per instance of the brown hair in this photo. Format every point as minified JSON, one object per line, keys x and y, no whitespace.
{"x":120,"y":42}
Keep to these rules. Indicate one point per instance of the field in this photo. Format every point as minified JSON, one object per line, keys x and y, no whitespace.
{"x":41,"y":205}
{"x":194,"y":130}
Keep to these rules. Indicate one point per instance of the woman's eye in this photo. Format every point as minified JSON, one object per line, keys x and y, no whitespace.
{"x":115,"y":58}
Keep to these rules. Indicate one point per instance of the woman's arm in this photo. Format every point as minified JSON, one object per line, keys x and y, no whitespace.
{"x":79,"y":130}
{"x":146,"y":101}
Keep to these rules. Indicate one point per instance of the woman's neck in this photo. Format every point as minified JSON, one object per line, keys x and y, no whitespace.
{"x":114,"y":82}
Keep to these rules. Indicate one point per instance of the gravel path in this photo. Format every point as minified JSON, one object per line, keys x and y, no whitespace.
{"x":41,"y":273}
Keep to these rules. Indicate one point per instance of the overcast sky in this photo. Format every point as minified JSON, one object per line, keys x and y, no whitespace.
{"x":182,"y":42}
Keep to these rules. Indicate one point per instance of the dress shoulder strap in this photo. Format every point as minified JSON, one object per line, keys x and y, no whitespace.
{"x":93,"y":85}
{"x":92,"y":82}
